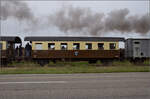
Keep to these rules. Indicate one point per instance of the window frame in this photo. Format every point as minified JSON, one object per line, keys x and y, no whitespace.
{"x":62,"y":46}
{"x":136,"y":42}
{"x":99,"y":47}
{"x":110,"y":46}
{"x":88,"y":45}
{"x":77,"y":48}
{"x":52,"y":44}
{"x":41,"y":46}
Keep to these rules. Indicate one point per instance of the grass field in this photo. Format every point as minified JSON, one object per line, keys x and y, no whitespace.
{"x":73,"y":67}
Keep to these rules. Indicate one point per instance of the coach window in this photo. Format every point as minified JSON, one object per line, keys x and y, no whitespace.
{"x":136,"y":42}
{"x":1,"y":46}
{"x":38,"y":46}
{"x":8,"y":45}
{"x":100,"y":46}
{"x":112,"y":46}
{"x":76,"y":46}
{"x":51,"y":46}
{"x":88,"y":46}
{"x":64,"y":46}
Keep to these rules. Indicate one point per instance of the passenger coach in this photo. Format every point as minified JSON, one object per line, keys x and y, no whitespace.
{"x":74,"y":48}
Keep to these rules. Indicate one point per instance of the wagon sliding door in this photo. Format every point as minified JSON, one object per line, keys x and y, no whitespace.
{"x":137,"y":49}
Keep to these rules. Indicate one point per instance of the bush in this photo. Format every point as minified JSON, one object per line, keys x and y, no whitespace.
{"x":122,"y":63}
{"x":23,"y":64}
{"x":147,"y":62}
{"x":60,"y":63}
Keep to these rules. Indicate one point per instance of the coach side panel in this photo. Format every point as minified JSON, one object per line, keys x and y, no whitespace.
{"x":41,"y":50}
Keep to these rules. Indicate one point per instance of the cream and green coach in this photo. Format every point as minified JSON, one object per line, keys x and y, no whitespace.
{"x":75,"y":48}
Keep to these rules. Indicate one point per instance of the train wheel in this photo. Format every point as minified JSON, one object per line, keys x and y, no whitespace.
{"x":43,"y":62}
{"x":106,"y":62}
{"x":138,"y":61}
{"x":4,"y":62}
{"x":92,"y":61}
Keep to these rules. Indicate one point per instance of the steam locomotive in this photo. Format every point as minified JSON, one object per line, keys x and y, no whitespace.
{"x":91,"y":49}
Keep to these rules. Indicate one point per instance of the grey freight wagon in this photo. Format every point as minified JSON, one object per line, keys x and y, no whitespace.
{"x":137,"y":48}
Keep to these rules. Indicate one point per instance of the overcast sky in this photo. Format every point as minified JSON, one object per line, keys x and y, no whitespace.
{"x":43,"y":9}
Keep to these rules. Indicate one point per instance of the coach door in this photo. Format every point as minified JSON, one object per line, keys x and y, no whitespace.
{"x":136,"y":49}
{"x":10,"y":49}
{"x":1,"y":45}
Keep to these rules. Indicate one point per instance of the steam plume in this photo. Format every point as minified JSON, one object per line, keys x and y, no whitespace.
{"x":121,"y":21}
{"x":84,"y":21}
{"x":16,"y":9}
{"x":79,"y":20}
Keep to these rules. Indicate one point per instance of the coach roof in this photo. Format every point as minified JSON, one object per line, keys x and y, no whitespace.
{"x":60,"y":38}
{"x":14,"y":39}
{"x":138,"y":39}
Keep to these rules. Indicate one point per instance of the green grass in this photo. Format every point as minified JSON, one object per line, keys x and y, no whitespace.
{"x":23,"y":64}
{"x":147,"y":62}
{"x":72,"y":67}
